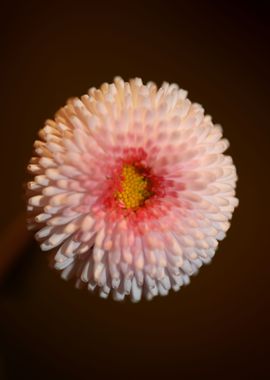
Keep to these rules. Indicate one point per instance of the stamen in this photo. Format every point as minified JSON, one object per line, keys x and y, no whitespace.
{"x":135,"y":187}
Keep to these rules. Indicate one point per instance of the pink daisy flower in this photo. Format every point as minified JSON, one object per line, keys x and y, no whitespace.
{"x":131,"y":188}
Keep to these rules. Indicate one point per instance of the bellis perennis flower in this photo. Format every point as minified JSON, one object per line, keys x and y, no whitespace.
{"x":131,"y":187}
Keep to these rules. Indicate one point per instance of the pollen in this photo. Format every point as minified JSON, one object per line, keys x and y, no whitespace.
{"x":135,"y":187}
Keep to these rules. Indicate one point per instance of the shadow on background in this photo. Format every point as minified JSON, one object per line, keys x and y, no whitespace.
{"x":217,"y":326}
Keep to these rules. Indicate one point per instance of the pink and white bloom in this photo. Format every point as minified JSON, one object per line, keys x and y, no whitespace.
{"x":131,"y":187}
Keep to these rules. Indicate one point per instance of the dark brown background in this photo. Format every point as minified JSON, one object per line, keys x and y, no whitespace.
{"x":217,"y":327}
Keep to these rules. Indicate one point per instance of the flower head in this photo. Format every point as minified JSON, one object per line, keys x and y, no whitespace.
{"x":131,"y":187}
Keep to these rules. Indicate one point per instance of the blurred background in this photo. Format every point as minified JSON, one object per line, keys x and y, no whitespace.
{"x":218,"y":326}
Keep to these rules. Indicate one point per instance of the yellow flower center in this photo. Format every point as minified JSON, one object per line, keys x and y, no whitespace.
{"x":135,"y":187}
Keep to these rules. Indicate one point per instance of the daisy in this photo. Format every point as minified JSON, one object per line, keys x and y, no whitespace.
{"x":131,"y":189}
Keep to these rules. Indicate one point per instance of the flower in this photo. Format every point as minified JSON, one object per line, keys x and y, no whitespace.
{"x":131,"y":187}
